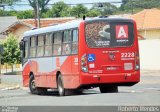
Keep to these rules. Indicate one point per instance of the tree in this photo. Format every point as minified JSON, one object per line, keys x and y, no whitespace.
{"x":93,"y":13}
{"x":11,"y":54}
{"x":59,"y":9}
{"x":41,"y":8}
{"x":128,"y":5}
{"x":124,"y":2}
{"x":1,"y":12}
{"x":79,"y":10}
{"x":10,"y":2}
{"x":42,"y":5}
{"x":105,"y":8}
{"x":25,"y":14}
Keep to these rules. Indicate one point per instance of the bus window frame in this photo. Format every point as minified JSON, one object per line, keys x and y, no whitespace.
{"x":30,"y":47}
{"x":72,"y":42}
{"x":67,"y":42}
{"x":53,"y":45}
{"x":43,"y":45}
{"x":24,"y":52}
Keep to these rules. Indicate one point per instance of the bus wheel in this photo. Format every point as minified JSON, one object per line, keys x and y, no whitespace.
{"x":32,"y":85}
{"x":60,"y":86}
{"x":108,"y":89}
{"x":34,"y":89}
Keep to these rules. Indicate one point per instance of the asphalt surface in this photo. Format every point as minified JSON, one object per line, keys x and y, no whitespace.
{"x":147,"y":92}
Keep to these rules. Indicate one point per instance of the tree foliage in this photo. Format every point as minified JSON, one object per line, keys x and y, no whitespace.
{"x":93,"y":13}
{"x":25,"y":14}
{"x":105,"y":9}
{"x":59,"y":9}
{"x":139,"y":4}
{"x":20,"y":14}
{"x":42,"y":5}
{"x":11,"y":54}
{"x":10,"y":2}
{"x":79,"y":10}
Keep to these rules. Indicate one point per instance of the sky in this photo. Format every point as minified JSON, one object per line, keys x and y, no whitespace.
{"x":27,"y":7}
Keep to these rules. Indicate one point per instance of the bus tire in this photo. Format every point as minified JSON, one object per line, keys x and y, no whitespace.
{"x":42,"y":91}
{"x":34,"y":89}
{"x":32,"y":85}
{"x":108,"y":89}
{"x":60,"y":85}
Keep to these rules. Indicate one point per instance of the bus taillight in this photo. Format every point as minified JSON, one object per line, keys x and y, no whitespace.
{"x":84,"y":66}
{"x":137,"y":63}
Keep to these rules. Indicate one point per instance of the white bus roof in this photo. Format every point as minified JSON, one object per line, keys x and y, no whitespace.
{"x":67,"y":25}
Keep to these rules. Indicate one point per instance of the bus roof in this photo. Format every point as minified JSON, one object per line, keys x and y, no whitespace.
{"x":68,"y":25}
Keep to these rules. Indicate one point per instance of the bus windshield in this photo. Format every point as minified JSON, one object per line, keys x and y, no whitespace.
{"x":100,"y":34}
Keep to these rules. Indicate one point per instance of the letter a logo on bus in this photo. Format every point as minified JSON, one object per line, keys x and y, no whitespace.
{"x":121,"y":31}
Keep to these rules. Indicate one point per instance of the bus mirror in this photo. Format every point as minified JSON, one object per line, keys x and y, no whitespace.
{"x":21,"y":45}
{"x":84,"y":17}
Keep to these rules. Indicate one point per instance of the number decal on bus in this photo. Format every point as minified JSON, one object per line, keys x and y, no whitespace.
{"x":127,"y":55}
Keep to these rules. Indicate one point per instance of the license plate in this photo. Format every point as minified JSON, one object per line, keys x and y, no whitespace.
{"x":128,"y":66}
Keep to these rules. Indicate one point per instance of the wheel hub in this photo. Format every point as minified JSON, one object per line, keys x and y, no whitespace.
{"x":33,"y":85}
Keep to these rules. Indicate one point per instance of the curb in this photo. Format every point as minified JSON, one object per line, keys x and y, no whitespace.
{"x":24,"y":88}
{"x":11,"y":88}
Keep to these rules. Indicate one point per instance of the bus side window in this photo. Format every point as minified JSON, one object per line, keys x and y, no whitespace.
{"x":75,"y":41}
{"x":25,"y":49}
{"x":66,"y":42}
{"x":48,"y":44}
{"x":40,"y":47}
{"x":32,"y":46}
{"x":57,"y":43}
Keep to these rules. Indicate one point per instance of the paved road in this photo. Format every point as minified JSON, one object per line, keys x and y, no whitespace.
{"x":12,"y":79}
{"x":147,"y":92}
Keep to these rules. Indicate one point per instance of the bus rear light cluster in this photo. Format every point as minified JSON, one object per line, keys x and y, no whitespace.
{"x":137,"y":63}
{"x":84,"y":66}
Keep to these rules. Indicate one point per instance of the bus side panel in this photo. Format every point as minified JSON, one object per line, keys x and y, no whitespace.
{"x":70,"y":78}
{"x":30,"y":66}
{"x":82,"y":48}
{"x":44,"y":76}
{"x":51,"y":80}
{"x":75,"y":65}
{"x":25,"y":74}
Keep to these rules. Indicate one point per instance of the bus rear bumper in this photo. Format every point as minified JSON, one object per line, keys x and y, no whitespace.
{"x":123,"y":79}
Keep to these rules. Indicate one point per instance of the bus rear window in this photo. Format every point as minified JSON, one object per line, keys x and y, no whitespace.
{"x":105,"y":34}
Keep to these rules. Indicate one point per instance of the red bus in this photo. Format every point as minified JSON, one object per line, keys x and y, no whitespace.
{"x":100,"y":52}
